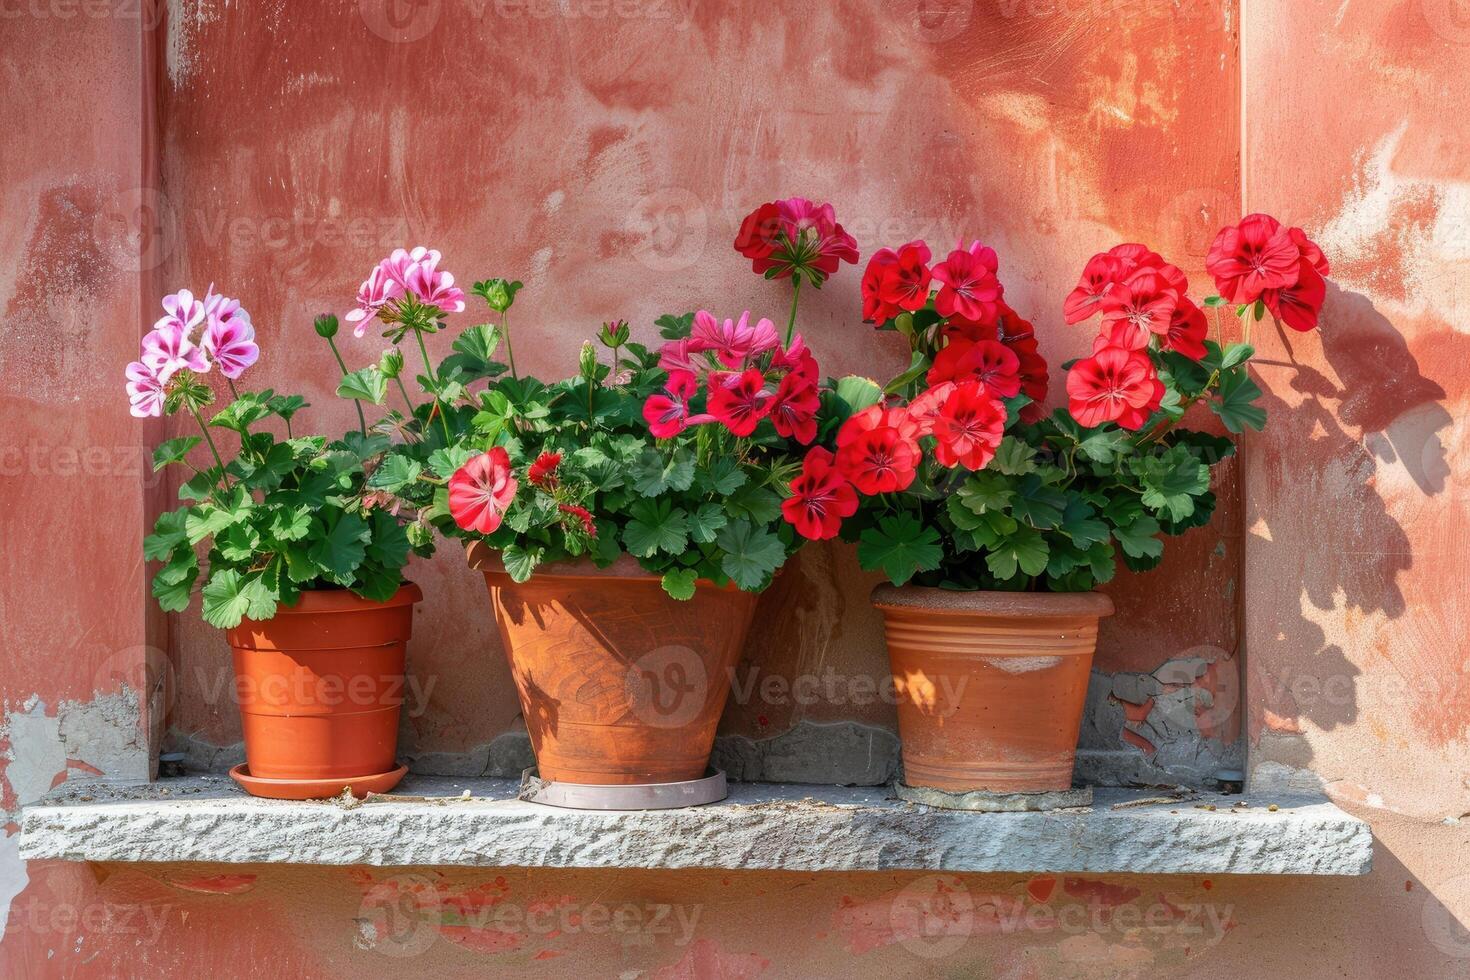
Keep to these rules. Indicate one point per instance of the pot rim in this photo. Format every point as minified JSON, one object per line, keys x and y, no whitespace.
{"x":949,"y":602}
{"x":486,"y":559}
{"x":315,"y":601}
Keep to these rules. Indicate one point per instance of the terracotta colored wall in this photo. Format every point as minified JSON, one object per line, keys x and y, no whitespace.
{"x":606,"y":160}
{"x":602,"y":153}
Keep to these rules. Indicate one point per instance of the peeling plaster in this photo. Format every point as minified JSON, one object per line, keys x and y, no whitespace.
{"x":97,"y":739}
{"x":13,"y":877}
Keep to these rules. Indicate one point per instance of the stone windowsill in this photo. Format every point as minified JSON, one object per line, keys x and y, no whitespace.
{"x":427,"y":821}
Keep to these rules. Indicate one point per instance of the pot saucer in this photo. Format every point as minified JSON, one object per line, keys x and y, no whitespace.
{"x":315,"y":789}
{"x":711,"y":788}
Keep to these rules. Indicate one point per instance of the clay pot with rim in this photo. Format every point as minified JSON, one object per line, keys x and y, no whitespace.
{"x":320,"y":688}
{"x":619,"y":683}
{"x":991,"y":685}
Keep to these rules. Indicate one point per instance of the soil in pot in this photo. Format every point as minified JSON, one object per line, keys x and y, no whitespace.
{"x":619,"y":683}
{"x":991,"y":685}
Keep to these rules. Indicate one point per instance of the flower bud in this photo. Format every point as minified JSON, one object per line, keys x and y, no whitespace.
{"x":326,"y":325}
{"x":390,"y":365}
{"x":615,"y":333}
{"x":588,"y":361}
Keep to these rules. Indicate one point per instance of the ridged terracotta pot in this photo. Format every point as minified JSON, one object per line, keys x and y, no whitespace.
{"x":991,"y":685}
{"x":619,"y":683}
{"x":320,"y":688}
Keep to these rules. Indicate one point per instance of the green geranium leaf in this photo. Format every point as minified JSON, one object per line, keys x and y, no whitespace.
{"x":173,"y":586}
{"x":918,"y":364}
{"x":1013,"y":458}
{"x":241,"y":413}
{"x":444,"y":462}
{"x":169,"y":531}
{"x":986,"y":491}
{"x":672,"y":327}
{"x":752,"y":554}
{"x":901,"y":547}
{"x":238,"y":542}
{"x":656,"y":526}
{"x":290,"y":523}
{"x":679,"y":583}
{"x":208,"y":519}
{"x":388,"y":546}
{"x":1024,"y":550}
{"x":342,"y":548}
{"x":230,"y":597}
{"x":362,"y":447}
{"x":286,"y":406}
{"x":365,"y":385}
{"x":1235,"y":405}
{"x":654,"y":473}
{"x":758,"y":504}
{"x":1171,"y":481}
{"x":396,"y":473}
{"x":173,"y":451}
{"x":1080,"y":523}
{"x":1038,"y":503}
{"x":1237,"y":354}
{"x":520,"y":561}
{"x":706,"y":521}
{"x":1140,"y":539}
{"x":722,"y":477}
{"x":1104,"y":447}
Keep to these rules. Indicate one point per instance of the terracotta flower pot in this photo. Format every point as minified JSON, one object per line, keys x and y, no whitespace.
{"x":320,"y":688}
{"x":991,"y":685}
{"x":619,"y":683}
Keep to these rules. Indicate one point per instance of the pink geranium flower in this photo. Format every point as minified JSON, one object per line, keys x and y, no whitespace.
{"x":145,"y":391}
{"x":668,"y":414}
{"x":481,"y":491}
{"x":230,"y":344}
{"x":376,"y":291}
{"x":418,"y":272}
{"x":734,"y":341}
{"x":795,"y":235}
{"x":739,"y":401}
{"x":183,"y":311}
{"x":168,"y":350}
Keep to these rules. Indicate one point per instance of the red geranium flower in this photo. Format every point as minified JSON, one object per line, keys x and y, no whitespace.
{"x":1020,"y":336}
{"x":1249,"y":258}
{"x":970,"y":289}
{"x":820,"y":498}
{"x":1103,"y":270}
{"x":542,"y":473}
{"x":968,"y":427}
{"x":1311,"y":252}
{"x":1113,"y":385}
{"x":1145,"y":301}
{"x":1298,"y":305}
{"x":795,"y":235}
{"x":739,"y":401}
{"x":668,"y":414}
{"x":794,"y":408}
{"x":989,"y":361}
{"x":1136,"y":256}
{"x":481,"y":490}
{"x":878,"y":450}
{"x":875,"y":309}
{"x":906,"y":282}
{"x":924,"y":410}
{"x":1187,"y":330}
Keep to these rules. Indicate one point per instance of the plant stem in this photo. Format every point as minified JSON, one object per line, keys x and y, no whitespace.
{"x":510,"y":353}
{"x":398,"y":380}
{"x":434,"y":380}
{"x":224,"y":477}
{"x":361,"y":418}
{"x":795,"y":298}
{"x":233,"y":390}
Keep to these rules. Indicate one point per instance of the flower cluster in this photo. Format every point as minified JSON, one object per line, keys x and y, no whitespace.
{"x":969,"y":305}
{"x":1261,"y":260}
{"x":192,"y":336}
{"x":795,"y":238}
{"x":972,"y":353}
{"x":747,"y":374}
{"x":405,"y":273}
{"x":1144,"y":303}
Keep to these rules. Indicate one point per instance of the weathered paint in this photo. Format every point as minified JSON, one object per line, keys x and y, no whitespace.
{"x":603,"y":152}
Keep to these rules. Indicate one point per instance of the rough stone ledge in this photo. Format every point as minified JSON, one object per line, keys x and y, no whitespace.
{"x":428,"y":821}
